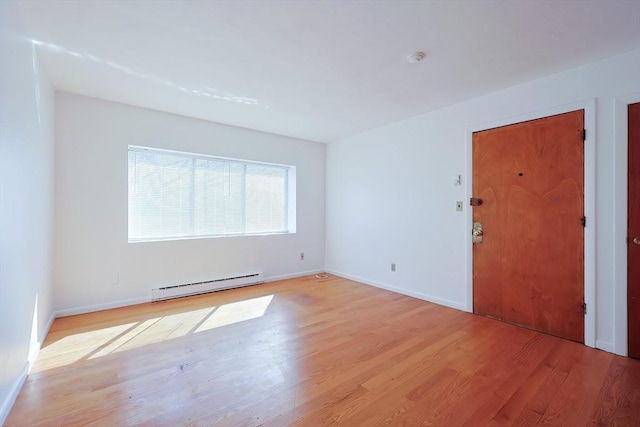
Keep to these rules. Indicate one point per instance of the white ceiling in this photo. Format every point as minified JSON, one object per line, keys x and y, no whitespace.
{"x":318,"y":70}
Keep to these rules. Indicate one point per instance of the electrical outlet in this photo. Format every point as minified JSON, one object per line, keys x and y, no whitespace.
{"x":459,"y":206}
{"x":301,"y":256}
{"x":393,"y":266}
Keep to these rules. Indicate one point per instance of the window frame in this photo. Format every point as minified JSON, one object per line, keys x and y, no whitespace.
{"x":290,"y":195}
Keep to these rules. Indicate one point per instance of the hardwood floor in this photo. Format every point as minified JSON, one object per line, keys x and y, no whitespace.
{"x":315,"y":352}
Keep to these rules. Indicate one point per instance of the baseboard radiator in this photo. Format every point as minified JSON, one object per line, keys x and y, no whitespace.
{"x":188,"y":289}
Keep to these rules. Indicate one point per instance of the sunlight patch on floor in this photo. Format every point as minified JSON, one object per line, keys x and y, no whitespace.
{"x":73,"y":348}
{"x":102,"y":342}
{"x":236,"y":312}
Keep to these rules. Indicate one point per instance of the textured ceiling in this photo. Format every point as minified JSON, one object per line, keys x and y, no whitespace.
{"x":317,"y":70}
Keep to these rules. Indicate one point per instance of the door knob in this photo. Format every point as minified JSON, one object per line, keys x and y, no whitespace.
{"x":478,"y":233}
{"x":636,"y":240}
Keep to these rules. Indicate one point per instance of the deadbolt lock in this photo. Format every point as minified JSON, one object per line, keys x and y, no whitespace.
{"x":476,"y":232}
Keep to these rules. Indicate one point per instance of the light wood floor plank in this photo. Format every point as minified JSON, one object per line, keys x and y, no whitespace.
{"x":317,"y":352}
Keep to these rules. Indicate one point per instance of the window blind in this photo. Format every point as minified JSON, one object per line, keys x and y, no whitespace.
{"x":179,"y":195}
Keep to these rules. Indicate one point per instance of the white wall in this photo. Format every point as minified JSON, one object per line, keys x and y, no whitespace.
{"x":94,"y":265}
{"x":390,"y":193}
{"x":26,"y":210}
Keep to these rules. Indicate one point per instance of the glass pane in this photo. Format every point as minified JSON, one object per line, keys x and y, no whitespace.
{"x":159,"y":196}
{"x":174,"y":196}
{"x":266,"y":199}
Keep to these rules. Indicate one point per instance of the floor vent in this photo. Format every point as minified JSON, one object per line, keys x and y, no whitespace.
{"x":188,"y":289}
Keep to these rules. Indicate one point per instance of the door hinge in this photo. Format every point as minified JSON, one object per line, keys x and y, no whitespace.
{"x":584,"y":134}
{"x":583,"y":221}
{"x":584,"y":307}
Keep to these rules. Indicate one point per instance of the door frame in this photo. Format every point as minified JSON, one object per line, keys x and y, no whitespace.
{"x":589,"y":107}
{"x":621,"y":156}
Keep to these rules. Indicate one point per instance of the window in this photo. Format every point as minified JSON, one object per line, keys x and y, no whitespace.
{"x":175,"y":195}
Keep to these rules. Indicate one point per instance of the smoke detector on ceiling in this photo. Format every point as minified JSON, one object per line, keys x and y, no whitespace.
{"x":416,"y":57}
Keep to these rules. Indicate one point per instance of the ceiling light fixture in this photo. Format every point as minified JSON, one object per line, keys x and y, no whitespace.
{"x":416,"y":57}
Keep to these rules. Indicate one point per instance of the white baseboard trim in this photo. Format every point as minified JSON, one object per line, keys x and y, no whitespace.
{"x":98,"y":307}
{"x":124,"y":303}
{"x":45,"y":331}
{"x":33,"y":353}
{"x":13,"y":394}
{"x":292,"y":276}
{"x":419,"y":295}
{"x":606,"y":346}
{"x":17,"y":386}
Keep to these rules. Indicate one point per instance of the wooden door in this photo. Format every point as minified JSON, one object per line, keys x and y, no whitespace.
{"x":529,"y":269}
{"x":633,"y":232}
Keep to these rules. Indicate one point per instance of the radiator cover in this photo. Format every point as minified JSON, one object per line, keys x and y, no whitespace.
{"x":188,"y":289}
